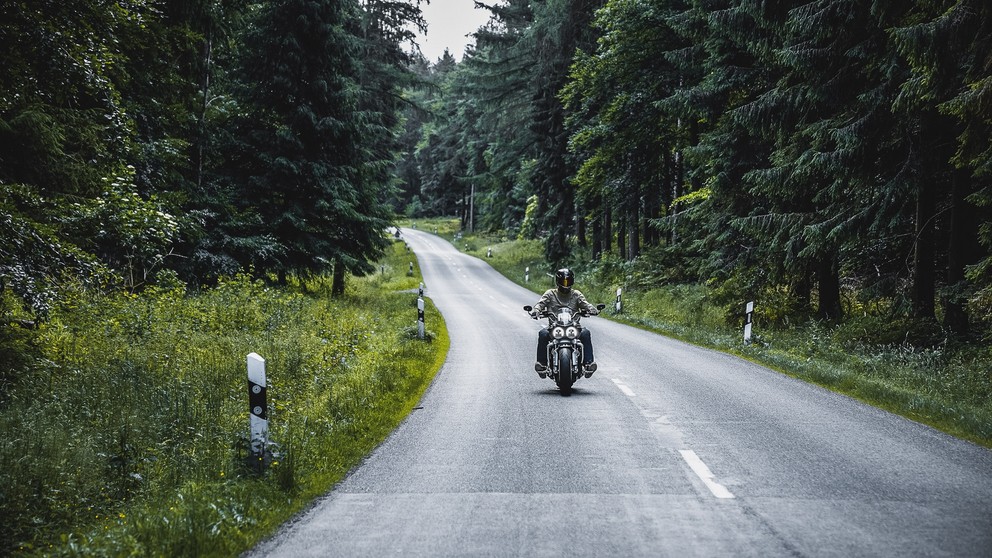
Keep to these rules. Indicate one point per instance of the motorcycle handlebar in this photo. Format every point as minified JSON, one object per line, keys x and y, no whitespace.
{"x":548,"y":314}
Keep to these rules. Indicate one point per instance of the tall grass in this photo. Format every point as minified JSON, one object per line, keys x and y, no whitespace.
{"x":947,"y":384}
{"x":127,"y":435}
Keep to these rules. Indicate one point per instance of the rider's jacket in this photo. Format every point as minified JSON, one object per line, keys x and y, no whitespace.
{"x":555,"y":299}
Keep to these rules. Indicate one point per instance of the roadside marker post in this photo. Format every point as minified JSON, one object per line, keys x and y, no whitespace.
{"x":258,"y":409}
{"x":527,"y":274}
{"x":619,"y":303}
{"x":420,"y":315}
{"x":748,"y":315}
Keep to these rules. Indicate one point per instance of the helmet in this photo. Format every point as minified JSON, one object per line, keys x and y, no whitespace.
{"x":564,"y":279}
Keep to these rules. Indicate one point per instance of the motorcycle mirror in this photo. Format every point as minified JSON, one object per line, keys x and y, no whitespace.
{"x":528,"y":308}
{"x":600,"y":306}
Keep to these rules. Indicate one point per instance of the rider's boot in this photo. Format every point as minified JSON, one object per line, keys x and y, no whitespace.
{"x":590,"y":368}
{"x":541,"y":369}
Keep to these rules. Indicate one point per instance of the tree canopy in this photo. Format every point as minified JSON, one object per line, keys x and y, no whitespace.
{"x":196,"y":137}
{"x":830,"y":149}
{"x":834,"y":150}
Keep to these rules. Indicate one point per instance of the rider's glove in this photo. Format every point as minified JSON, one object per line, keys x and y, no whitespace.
{"x":533,"y":315}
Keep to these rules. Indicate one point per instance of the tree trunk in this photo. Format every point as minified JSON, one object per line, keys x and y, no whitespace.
{"x":924,"y":274}
{"x":828,"y":283}
{"x":201,"y":141}
{"x":580,"y":226}
{"x":633,"y":222}
{"x":622,"y":238}
{"x":802,"y":290}
{"x":337,"y":283}
{"x":607,"y":227}
{"x":652,"y":204}
{"x":963,"y":250}
{"x":933,"y":129}
{"x":597,"y":227}
{"x":471,"y":210}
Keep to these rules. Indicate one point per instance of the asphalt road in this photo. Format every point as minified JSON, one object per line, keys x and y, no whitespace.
{"x":668,"y":450}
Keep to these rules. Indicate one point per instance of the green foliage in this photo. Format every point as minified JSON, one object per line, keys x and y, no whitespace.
{"x":312,"y":182}
{"x":126,"y":126}
{"x":769,"y":148}
{"x":130,"y":233}
{"x":128,"y":427}
{"x":528,"y":229}
{"x":34,"y":259}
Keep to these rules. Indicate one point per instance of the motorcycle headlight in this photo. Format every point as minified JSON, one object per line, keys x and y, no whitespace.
{"x":572,"y":332}
{"x":558,"y":332}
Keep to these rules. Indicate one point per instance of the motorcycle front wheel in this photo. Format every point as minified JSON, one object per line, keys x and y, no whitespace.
{"x":564,"y":378}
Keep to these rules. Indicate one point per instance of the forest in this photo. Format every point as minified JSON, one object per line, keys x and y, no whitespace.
{"x":827,"y":151}
{"x":833,"y":155}
{"x":195,"y":139}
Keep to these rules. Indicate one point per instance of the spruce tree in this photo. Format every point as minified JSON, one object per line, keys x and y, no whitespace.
{"x":949,"y":53}
{"x":312,"y":183}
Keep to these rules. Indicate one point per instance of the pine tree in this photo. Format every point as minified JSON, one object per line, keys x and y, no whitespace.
{"x":723,"y":69}
{"x":947,"y":47}
{"x":311,"y":179}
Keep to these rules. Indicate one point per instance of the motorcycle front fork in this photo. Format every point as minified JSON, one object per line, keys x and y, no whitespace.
{"x":574,"y":366}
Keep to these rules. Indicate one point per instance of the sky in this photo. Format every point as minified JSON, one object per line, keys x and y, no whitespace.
{"x":448,"y":23}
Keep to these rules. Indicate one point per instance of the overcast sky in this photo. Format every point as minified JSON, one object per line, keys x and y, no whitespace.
{"x":448,"y":23}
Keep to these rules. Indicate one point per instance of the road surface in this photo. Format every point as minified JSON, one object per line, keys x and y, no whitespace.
{"x":668,"y":450}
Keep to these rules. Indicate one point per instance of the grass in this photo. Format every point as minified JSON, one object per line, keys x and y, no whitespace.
{"x":126,"y":434}
{"x":946,"y":385}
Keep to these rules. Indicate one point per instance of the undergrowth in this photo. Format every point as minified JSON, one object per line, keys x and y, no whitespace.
{"x":126,"y":431}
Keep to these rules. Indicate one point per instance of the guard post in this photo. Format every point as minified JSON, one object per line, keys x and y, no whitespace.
{"x":748,"y":314}
{"x":527,"y":274}
{"x":619,"y":303}
{"x":420,"y":313}
{"x":258,"y":409}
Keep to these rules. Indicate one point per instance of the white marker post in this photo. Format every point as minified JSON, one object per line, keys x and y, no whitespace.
{"x":527,"y":274}
{"x":747,"y":322}
{"x":258,"y":408}
{"x":489,"y":253}
{"x":420,"y":316}
{"x":619,"y":303}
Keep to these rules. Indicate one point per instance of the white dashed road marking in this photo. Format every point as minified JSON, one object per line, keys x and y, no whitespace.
{"x":626,"y":390}
{"x":704,"y":474}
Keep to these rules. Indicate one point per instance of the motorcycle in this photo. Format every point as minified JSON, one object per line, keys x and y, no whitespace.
{"x":565,"y":351}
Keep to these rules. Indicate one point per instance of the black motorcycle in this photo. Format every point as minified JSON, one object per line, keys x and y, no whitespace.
{"x":565,"y":351}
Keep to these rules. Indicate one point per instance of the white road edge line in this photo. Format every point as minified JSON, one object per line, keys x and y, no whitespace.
{"x":626,"y":390}
{"x":704,"y":474}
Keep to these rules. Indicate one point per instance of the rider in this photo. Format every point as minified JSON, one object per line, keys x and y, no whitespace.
{"x":554,"y":299}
